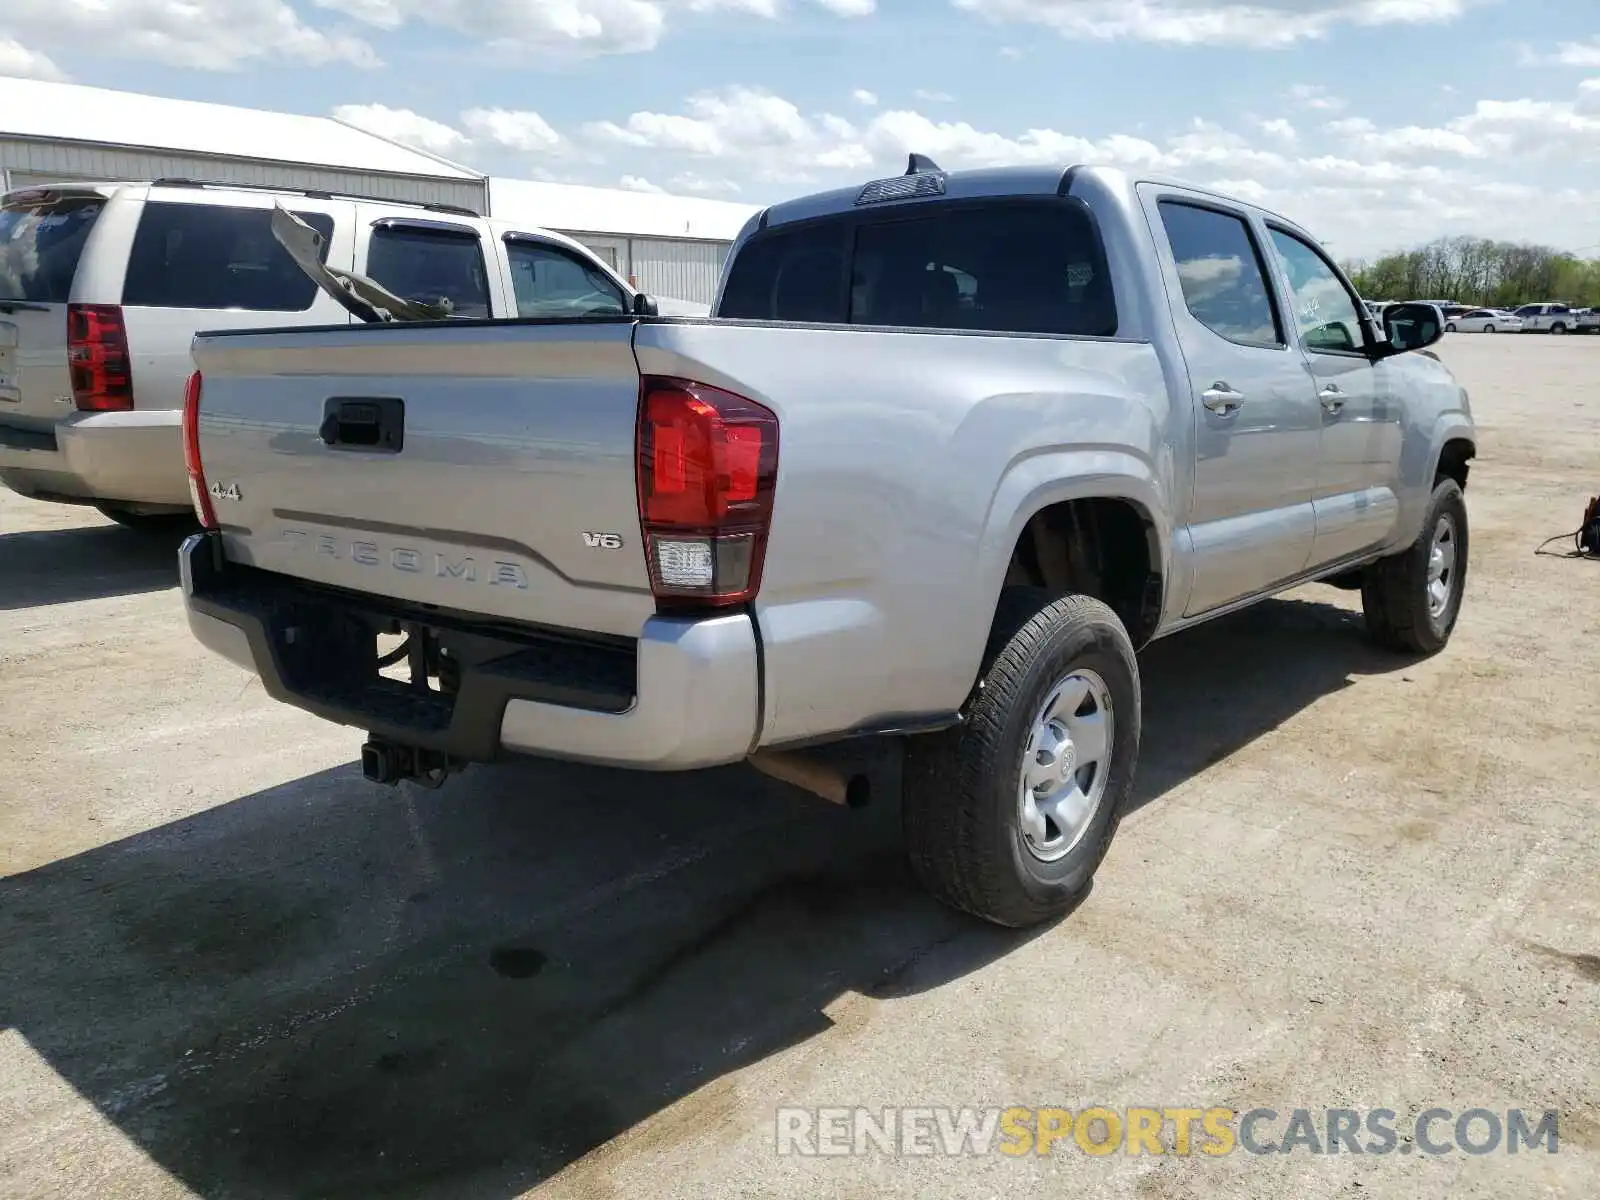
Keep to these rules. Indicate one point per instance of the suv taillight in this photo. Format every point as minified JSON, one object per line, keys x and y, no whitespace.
{"x":97,"y":356}
{"x":708,"y":465}
{"x":191,"y":454}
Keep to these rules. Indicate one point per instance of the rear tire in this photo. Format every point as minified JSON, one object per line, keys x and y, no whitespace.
{"x":145,"y":522}
{"x":1558,"y":327}
{"x":1009,"y":815}
{"x":1412,"y":599}
{"x":1488,"y":328}
{"x":1449,"y":326}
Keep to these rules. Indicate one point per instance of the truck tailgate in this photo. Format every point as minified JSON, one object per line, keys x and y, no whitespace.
{"x":502,"y":482}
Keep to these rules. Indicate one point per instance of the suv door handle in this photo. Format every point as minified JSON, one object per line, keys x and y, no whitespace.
{"x":1222,"y":399}
{"x":1332,"y":398}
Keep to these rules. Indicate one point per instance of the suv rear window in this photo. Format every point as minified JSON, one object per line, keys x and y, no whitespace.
{"x":40,"y":244}
{"x":426,"y":265}
{"x":213,"y":257}
{"x":1010,"y":266}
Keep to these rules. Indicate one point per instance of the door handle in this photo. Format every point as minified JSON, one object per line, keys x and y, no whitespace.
{"x":1222,"y":399}
{"x":1332,"y":398}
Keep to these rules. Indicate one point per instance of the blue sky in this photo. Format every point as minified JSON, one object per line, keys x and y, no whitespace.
{"x":1376,"y":122}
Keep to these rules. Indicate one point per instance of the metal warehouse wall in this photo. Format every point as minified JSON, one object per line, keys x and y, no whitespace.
{"x":676,"y":267}
{"x":26,"y":162}
{"x":685,"y":270}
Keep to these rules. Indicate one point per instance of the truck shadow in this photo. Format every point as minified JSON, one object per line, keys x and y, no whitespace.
{"x":1214,"y":689}
{"x":88,"y":562}
{"x":335,"y":990}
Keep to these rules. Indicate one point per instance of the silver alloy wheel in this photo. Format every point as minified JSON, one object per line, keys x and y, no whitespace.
{"x":1066,"y":765}
{"x":1441,"y":566}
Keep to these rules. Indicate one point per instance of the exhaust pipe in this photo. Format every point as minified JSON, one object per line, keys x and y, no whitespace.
{"x":848,"y":789}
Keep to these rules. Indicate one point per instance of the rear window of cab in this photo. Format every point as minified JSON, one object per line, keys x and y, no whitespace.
{"x":1032,"y":265}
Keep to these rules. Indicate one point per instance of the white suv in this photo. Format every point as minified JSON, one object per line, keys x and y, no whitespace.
{"x":103,"y":287}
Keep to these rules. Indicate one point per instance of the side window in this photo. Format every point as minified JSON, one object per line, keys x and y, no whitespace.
{"x":1322,"y":307}
{"x":213,"y":257}
{"x":1220,"y":269}
{"x":427,"y":265}
{"x":552,"y":282}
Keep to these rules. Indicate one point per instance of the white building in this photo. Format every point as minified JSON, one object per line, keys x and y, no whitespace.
{"x":62,"y":132}
{"x":667,"y":245}
{"x":65,"y":132}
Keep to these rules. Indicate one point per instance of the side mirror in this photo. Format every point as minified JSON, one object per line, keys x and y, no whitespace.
{"x":1411,"y":327}
{"x":644,"y":306}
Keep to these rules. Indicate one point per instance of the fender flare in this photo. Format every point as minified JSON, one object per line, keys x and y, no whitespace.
{"x":1037,"y":481}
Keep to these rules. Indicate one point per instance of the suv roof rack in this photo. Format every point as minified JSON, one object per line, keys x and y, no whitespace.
{"x":310,"y":193}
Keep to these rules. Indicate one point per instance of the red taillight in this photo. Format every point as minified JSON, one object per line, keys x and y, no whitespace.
{"x":708,"y":464}
{"x":97,"y":356}
{"x":191,"y":454}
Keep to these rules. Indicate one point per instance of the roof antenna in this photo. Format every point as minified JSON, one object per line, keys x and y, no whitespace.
{"x":921,"y":164}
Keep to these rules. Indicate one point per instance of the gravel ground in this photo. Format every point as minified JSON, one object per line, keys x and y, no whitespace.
{"x":230,"y":968}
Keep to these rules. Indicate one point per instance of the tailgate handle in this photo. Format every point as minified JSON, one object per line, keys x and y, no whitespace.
{"x":375,"y":423}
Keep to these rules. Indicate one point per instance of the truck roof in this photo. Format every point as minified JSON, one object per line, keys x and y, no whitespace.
{"x":991,"y":181}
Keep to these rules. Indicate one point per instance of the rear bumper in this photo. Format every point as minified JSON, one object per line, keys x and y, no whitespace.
{"x":684,"y":695}
{"x":133,"y":458}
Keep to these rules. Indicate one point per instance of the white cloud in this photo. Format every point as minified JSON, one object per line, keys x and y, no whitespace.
{"x":1315,"y":97}
{"x":1364,"y":186}
{"x":572,"y":26}
{"x":1407,"y":141}
{"x":525,"y":131}
{"x":928,"y":96}
{"x":700,"y":185}
{"x":1263,"y":24}
{"x":481,"y":132}
{"x":862,"y":96}
{"x":204,"y":35}
{"x":18,"y":61}
{"x":1579,"y":54}
{"x":403,"y":125}
{"x":744,"y":124}
{"x":634,"y":183}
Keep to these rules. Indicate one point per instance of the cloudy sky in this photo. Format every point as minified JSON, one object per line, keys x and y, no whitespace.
{"x":1376,"y":122}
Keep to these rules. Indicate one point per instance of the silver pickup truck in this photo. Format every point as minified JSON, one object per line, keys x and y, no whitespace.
{"x":951,"y":448}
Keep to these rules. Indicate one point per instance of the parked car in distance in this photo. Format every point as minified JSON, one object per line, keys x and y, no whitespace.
{"x":103,"y":287}
{"x":1586,"y":320}
{"x":1484,"y":320}
{"x":953,"y":447}
{"x":1545,"y":318}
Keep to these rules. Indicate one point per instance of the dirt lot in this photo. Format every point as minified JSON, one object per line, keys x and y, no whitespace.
{"x":230,"y":968}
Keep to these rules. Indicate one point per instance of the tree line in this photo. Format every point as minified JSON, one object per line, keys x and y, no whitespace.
{"x":1480,"y":272}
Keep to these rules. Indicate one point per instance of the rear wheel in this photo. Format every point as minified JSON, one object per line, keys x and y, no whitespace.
{"x":1450,"y":327}
{"x":1008,"y":816}
{"x":1488,"y":328}
{"x":1558,"y":327}
{"x":1412,"y":599}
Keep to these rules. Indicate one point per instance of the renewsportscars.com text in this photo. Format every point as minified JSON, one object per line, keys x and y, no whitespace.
{"x":1213,"y":1132}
